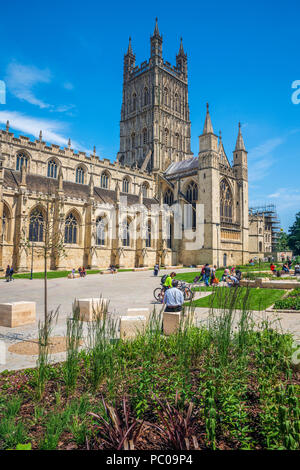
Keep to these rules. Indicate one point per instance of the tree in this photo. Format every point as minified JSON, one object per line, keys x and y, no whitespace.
{"x":282,"y":242}
{"x":294,"y":235}
{"x":46,"y":228}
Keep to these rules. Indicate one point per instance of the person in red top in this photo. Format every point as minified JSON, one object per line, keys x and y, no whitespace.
{"x":272,"y":267}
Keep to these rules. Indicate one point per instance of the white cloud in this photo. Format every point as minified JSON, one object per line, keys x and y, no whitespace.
{"x":265,"y":148}
{"x":286,"y":198}
{"x":260,"y":159}
{"x":53,"y":131}
{"x":21,"y":79}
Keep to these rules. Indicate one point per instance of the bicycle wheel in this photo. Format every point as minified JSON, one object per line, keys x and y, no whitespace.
{"x":158,"y":294}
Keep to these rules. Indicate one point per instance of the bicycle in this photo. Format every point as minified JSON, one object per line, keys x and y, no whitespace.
{"x":159,"y":292}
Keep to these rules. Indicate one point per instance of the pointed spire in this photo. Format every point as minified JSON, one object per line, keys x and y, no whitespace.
{"x":208,"y":128}
{"x":181,"y":50}
{"x":7,"y":126}
{"x":60,"y":179}
{"x":69,"y":143}
{"x":156,"y":30}
{"x":40,"y":136}
{"x":94,"y":150}
{"x":129,"y":50}
{"x":240,"y":141}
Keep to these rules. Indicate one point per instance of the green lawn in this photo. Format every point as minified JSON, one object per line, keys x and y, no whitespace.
{"x":255,"y":299}
{"x":189,"y":277}
{"x":51,"y":274}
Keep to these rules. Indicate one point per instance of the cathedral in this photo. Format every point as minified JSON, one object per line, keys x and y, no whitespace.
{"x":94,"y":212}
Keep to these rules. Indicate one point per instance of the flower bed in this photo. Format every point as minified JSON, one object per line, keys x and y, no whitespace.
{"x":291,"y":302}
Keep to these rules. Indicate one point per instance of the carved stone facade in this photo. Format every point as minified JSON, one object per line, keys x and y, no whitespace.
{"x":155,"y":170}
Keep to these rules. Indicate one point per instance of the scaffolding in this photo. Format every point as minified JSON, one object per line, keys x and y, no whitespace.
{"x":271,"y":219}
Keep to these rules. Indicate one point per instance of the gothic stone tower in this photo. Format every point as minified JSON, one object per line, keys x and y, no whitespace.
{"x":155,"y":125}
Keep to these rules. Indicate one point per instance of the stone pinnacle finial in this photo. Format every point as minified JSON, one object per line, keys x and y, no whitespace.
{"x":40,"y":136}
{"x":240,"y":141}
{"x":94,"y":150}
{"x":69,"y":143}
{"x":208,"y":128}
{"x":220,"y":135}
{"x":7,"y":126}
{"x":129,"y":50}
{"x":156,"y":30}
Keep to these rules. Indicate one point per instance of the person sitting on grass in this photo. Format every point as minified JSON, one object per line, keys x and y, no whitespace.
{"x":173,"y":298}
{"x":232,"y":281}
{"x":225,"y":274}
{"x":285,"y":268}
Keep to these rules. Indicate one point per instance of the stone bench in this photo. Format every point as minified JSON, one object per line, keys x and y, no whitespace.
{"x":172,"y":321}
{"x":108,"y":271}
{"x":17,"y":314}
{"x":70,"y":276}
{"x":131,"y":326}
{"x":270,"y":284}
{"x":133,"y":312}
{"x":92,"y":309}
{"x":180,"y":266}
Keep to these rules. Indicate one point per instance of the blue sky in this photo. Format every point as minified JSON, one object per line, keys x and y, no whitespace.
{"x":62,"y":65}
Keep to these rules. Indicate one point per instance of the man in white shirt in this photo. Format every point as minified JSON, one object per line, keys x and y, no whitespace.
{"x":173,"y":298}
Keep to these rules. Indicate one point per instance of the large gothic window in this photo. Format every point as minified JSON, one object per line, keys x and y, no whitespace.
{"x":52,"y":169}
{"x":170,"y":235}
{"x":71,"y":229}
{"x":125,"y":185}
{"x":100,"y":230}
{"x":21,"y":159}
{"x":5,"y":223}
{"x":80,"y":175}
{"x":148,"y":234}
{"x":36,"y":226}
{"x":169,"y":197}
{"x":145,"y":189}
{"x":125,"y":233}
{"x":104,"y":180}
{"x":192,"y":197}
{"x":225,"y":202}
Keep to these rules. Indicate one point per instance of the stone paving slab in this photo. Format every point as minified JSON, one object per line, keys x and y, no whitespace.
{"x":124,"y":289}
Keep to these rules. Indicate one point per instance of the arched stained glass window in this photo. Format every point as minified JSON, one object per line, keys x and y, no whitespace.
{"x":125,"y":185}
{"x":225,"y":202}
{"x":192,"y":197}
{"x":36,"y":226}
{"x":100,"y":230}
{"x":104,"y":180}
{"x":125,"y":234}
{"x":80,"y":175}
{"x":52,"y":169}
{"x":71,"y":229}
{"x":22,"y":158}
{"x":169,"y":197}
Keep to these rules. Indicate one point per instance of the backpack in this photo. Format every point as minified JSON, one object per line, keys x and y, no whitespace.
{"x":196,"y":279}
{"x":163,"y":279}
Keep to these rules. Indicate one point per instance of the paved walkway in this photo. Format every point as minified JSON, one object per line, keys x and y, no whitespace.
{"x":125,"y":289}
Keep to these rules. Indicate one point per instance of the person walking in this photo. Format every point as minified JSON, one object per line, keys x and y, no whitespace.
{"x":213,"y":274}
{"x":173,"y":298}
{"x":7,"y":273}
{"x":206,"y":274}
{"x":11,"y":272}
{"x":156,"y":269}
